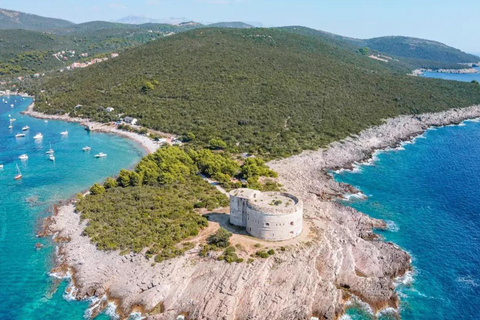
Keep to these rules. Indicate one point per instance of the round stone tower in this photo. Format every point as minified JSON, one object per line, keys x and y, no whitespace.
{"x":273,"y":216}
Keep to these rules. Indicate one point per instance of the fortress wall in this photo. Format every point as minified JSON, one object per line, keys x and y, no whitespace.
{"x":275,"y":227}
{"x":238,"y":212}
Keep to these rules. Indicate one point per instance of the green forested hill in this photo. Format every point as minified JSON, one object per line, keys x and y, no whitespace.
{"x":10,"y":19}
{"x":411,"y":53}
{"x":419,"y":49}
{"x":270,"y":91}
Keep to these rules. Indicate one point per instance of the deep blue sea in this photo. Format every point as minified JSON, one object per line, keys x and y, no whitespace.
{"x":429,"y":193}
{"x":26,"y":290}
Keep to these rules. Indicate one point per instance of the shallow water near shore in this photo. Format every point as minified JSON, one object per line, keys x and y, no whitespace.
{"x":429,"y":193}
{"x":27,"y":291}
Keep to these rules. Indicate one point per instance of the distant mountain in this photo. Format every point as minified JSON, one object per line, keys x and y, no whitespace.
{"x":137,"y":20}
{"x":410,"y":52}
{"x":145,"y":19}
{"x":19,"y":20}
{"x":419,"y":49}
{"x":238,"y":25}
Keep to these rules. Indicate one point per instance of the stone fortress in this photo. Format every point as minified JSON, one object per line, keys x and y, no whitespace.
{"x":272,"y":216}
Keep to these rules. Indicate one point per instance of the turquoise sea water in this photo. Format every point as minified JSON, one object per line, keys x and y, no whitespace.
{"x":429,"y":193}
{"x":451,"y":76}
{"x":26,"y":290}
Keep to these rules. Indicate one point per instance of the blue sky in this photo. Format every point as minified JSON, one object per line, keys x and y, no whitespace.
{"x":455,"y":23}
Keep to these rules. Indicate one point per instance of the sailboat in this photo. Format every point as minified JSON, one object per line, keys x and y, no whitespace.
{"x":38,"y":136}
{"x":19,"y":174}
{"x":64,"y":133}
{"x":50,"y":151}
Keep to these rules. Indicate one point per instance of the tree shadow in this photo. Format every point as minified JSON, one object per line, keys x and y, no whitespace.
{"x":223,"y":220}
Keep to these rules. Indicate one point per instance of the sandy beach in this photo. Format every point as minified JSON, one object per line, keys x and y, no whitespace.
{"x":148,"y":144}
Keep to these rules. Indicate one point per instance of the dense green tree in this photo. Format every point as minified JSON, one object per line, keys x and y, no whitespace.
{"x":97,"y":189}
{"x":110,"y":183}
{"x":220,"y":238}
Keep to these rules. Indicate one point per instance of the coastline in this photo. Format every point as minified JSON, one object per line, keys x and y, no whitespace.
{"x":146,"y":143}
{"x":419,"y":72}
{"x":206,"y":288}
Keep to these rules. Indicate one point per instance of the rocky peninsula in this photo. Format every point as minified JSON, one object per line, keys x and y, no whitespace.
{"x":338,"y":256}
{"x":469,"y":70}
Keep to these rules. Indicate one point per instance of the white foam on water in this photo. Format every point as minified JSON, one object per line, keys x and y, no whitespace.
{"x":345,"y":317}
{"x":355,"y":196}
{"x":136,"y":316}
{"x":468,"y":281}
{"x":111,"y":311}
{"x":386,"y":312}
{"x":391,"y":226}
{"x":70,"y":293}
{"x":406,"y":280}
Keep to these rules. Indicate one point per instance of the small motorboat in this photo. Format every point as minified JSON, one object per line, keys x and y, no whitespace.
{"x":51,"y":157}
{"x":26,"y":128}
{"x":38,"y":136}
{"x":20,"y":135}
{"x":87,"y":148}
{"x":10,"y":126}
{"x":1,"y":166}
{"x":12,"y":119}
{"x":23,"y":157}
{"x":12,"y":105}
{"x":101,"y":155}
{"x":64,"y":133}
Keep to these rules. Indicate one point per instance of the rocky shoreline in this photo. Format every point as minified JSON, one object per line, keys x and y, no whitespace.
{"x":314,"y":277}
{"x":419,"y":72}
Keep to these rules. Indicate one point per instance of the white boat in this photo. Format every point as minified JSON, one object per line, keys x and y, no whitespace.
{"x":23,"y":157}
{"x":101,"y":155}
{"x":12,"y":119}
{"x":1,"y":166}
{"x":45,"y":121}
{"x":51,"y":157}
{"x":11,"y":105}
{"x":26,"y":128}
{"x":38,"y":136}
{"x":19,"y":174}
{"x":10,"y":127}
{"x":64,"y":133}
{"x":50,"y":151}
{"x":87,"y":148}
{"x":20,"y":135}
